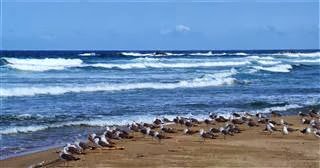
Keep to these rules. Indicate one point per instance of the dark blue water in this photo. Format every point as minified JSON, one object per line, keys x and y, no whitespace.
{"x":49,"y":98}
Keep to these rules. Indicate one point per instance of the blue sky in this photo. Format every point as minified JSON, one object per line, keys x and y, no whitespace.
{"x":113,"y":25}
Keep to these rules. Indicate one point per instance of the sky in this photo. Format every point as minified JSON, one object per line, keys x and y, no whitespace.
{"x":159,"y":25}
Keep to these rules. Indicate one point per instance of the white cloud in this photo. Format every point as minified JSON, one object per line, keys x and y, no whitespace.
{"x":178,"y":29}
{"x":182,"y":28}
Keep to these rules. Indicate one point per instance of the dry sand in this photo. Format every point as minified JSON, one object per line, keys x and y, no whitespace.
{"x":251,"y":148}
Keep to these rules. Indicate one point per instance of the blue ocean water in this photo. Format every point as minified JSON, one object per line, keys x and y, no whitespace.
{"x":49,"y":98}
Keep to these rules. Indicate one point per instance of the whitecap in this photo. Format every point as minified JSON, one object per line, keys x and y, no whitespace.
{"x":208,"y":54}
{"x":207,"y":80}
{"x":276,"y":68}
{"x":136,"y":54}
{"x":267,"y":62}
{"x":32,"y":64}
{"x":291,"y":54}
{"x":88,"y":54}
{"x":152,"y":64}
{"x":240,"y":54}
{"x":110,"y":120}
{"x":279,"y":108}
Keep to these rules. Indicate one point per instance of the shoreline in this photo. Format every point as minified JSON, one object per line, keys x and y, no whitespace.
{"x":144,"y":152}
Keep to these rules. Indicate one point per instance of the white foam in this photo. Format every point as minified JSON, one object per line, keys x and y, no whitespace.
{"x":240,"y":54}
{"x":111,"y":120}
{"x":260,"y":57}
{"x":279,"y":108}
{"x":208,"y":54}
{"x":136,"y":54}
{"x":88,"y":54}
{"x":289,"y":54}
{"x":276,"y":68}
{"x":32,"y":64}
{"x":150,"y":64}
{"x":24,"y":129}
{"x":217,"y":79}
{"x":267,"y":62}
{"x":305,"y":61}
{"x":146,"y":59}
{"x":173,"y":54}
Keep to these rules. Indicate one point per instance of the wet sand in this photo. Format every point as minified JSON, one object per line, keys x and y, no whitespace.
{"x":251,"y":148}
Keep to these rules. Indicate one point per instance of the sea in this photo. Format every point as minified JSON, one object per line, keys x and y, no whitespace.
{"x":49,"y":98}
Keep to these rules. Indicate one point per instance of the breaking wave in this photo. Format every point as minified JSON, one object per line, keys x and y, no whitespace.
{"x":207,"y":54}
{"x":208,"y":80}
{"x":276,"y":68}
{"x":110,"y":120}
{"x":289,"y":54}
{"x":150,"y":64}
{"x":280,"y":108}
{"x":46,"y":64}
{"x":88,"y":54}
{"x":155,"y":54}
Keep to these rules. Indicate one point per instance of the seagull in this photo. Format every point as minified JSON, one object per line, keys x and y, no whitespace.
{"x":306,"y":130}
{"x":291,"y":129}
{"x":252,"y":123}
{"x":286,"y":130}
{"x":244,"y":118}
{"x":214,"y":130}
{"x":225,"y":131}
{"x":270,"y":128}
{"x":152,"y":126}
{"x":193,"y":120}
{"x":212,"y":115}
{"x":221,"y":119}
{"x":83,"y":145}
{"x":176,"y":120}
{"x":313,"y":113}
{"x":237,"y":121}
{"x":151,"y":133}
{"x":159,"y":136}
{"x":91,"y":137}
{"x":102,"y":142}
{"x":123,"y":134}
{"x":208,"y":121}
{"x":302,"y":114}
{"x":305,"y":121}
{"x":73,"y":149}
{"x":315,"y":124}
{"x":167,"y":129}
{"x":157,"y":121}
{"x":133,"y":127}
{"x":188,"y":123}
{"x":284,"y":122}
{"x":316,"y":133}
{"x":64,"y":155}
{"x":205,"y":135}
{"x":262,"y":120}
{"x":188,"y":131}
{"x":145,"y":131}
{"x":236,"y":114}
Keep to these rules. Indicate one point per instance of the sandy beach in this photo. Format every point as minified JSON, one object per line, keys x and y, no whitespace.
{"x":251,"y":148}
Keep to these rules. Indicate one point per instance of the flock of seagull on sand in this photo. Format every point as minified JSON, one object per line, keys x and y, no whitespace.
{"x":105,"y":140}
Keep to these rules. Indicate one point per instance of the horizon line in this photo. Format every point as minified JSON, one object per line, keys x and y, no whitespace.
{"x":152,"y":49}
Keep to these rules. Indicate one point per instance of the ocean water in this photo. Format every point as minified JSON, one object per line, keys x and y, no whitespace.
{"x":49,"y":98}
